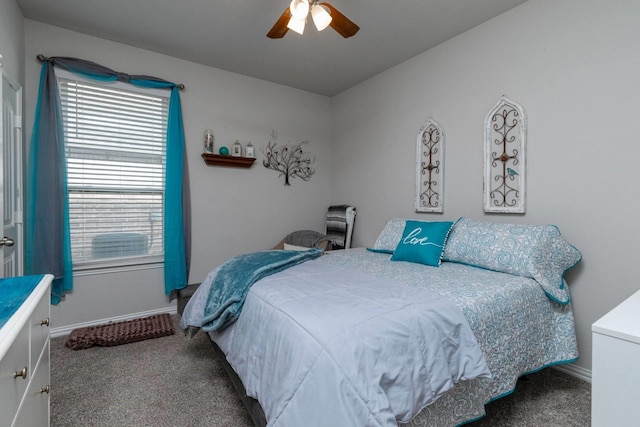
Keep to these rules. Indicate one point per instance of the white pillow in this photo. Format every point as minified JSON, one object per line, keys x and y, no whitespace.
{"x":288,"y":247}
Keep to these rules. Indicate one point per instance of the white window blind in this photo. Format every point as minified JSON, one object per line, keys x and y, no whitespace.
{"x":115,"y":151}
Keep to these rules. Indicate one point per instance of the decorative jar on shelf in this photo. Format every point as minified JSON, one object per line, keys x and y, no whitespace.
{"x":248,"y":152}
{"x":236,"y":151}
{"x":208,"y":141}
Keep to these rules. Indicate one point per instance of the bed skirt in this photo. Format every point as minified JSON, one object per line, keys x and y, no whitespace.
{"x":253,"y":406}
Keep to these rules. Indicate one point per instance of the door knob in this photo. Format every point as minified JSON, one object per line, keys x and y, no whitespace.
{"x":6,"y":241}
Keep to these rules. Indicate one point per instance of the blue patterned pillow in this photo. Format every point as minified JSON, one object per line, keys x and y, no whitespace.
{"x":536,"y":251}
{"x":422,"y":242}
{"x":389,"y":236}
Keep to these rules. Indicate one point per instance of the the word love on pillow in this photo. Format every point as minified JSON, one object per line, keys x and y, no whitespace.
{"x":422,"y":242}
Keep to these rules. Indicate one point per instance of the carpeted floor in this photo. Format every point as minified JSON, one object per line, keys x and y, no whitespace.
{"x":174,"y":381}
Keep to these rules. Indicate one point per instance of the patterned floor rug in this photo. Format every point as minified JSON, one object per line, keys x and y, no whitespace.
{"x":118,"y":333}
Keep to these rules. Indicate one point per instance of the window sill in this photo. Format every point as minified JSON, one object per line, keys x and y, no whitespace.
{"x":117,"y":266}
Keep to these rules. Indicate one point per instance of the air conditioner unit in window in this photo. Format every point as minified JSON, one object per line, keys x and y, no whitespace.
{"x":118,"y":245}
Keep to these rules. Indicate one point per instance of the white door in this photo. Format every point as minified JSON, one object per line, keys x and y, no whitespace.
{"x":11,"y":197}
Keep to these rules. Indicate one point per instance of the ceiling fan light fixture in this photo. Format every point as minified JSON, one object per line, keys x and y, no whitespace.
{"x":323,"y":13}
{"x":320,"y":16}
{"x":299,"y":8}
{"x":296,"y":25}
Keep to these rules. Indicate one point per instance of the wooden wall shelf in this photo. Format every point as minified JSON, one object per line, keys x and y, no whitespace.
{"x":219,"y":160}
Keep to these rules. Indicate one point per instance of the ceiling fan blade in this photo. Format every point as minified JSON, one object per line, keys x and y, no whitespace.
{"x":343,"y":25}
{"x":279,"y":29}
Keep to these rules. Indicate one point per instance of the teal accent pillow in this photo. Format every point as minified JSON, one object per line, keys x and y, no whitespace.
{"x":422,"y":242}
{"x":535,"y":251}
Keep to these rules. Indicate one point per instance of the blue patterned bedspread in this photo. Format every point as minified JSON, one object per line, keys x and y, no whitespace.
{"x":519,"y":329}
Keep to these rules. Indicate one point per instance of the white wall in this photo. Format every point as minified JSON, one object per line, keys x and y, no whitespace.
{"x":12,"y":40}
{"x":234,"y":210}
{"x":574,"y":65}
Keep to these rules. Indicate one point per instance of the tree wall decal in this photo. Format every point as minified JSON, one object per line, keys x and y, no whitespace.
{"x":290,"y":160}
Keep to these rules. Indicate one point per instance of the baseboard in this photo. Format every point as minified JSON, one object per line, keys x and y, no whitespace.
{"x":575,"y":371}
{"x":66,"y":330}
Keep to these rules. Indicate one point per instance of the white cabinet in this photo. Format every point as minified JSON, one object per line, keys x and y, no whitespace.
{"x":24,"y":361}
{"x":615,"y":375}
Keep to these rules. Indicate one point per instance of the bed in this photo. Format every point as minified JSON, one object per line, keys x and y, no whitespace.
{"x":339,"y":339}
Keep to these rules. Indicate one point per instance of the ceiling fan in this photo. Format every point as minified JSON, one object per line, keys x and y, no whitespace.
{"x":323,"y":14}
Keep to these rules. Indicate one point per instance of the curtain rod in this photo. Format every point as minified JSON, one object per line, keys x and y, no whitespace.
{"x":43,"y":58}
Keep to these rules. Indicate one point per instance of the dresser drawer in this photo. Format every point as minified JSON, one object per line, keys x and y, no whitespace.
{"x":34,"y":411}
{"x":12,"y":389}
{"x":39,"y":328}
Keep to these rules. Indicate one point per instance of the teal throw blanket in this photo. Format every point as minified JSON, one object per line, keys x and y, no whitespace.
{"x":13,"y":292}
{"x":235,"y":277}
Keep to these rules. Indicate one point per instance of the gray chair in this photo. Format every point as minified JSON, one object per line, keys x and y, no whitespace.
{"x":307,"y":239}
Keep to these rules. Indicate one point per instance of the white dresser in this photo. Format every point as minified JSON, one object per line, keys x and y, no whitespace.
{"x":615,"y":373}
{"x":24,"y":361}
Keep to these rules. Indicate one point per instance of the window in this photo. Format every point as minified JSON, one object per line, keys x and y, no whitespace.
{"x":115,"y":138}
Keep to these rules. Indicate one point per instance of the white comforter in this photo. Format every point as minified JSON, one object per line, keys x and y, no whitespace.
{"x":322,"y":345}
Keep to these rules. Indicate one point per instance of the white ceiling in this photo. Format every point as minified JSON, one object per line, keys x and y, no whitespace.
{"x":231,"y":34}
